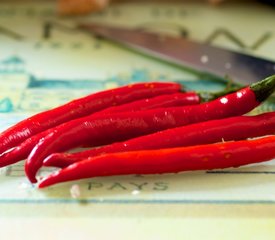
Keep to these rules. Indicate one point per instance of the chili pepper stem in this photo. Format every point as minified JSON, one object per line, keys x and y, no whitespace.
{"x":263,"y":89}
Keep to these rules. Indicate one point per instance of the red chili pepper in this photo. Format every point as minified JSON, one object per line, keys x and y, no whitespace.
{"x":234,"y":128}
{"x":82,"y":107}
{"x":167,"y":100}
{"x":172,"y":160}
{"x":122,"y":126}
{"x":22,"y":151}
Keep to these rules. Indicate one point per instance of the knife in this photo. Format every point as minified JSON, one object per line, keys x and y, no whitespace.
{"x":241,"y":68}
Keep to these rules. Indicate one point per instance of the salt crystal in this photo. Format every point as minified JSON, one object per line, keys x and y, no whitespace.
{"x":75,"y":191}
{"x":135,"y":192}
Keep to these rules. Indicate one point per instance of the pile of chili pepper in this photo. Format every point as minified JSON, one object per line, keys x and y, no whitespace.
{"x":143,"y":128}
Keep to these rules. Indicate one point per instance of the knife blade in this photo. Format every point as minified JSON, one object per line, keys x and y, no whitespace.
{"x":240,"y":67}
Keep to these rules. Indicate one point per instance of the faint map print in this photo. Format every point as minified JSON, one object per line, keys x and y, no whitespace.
{"x":23,"y":91}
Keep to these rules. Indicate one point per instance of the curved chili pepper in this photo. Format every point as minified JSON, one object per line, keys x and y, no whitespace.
{"x":171,"y":160}
{"x":22,"y":151}
{"x":166,"y":100}
{"x":122,"y":126}
{"x":234,"y":128}
{"x":82,"y":107}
